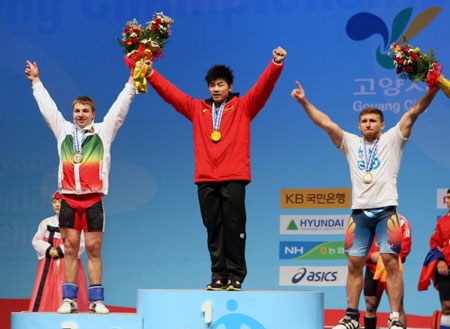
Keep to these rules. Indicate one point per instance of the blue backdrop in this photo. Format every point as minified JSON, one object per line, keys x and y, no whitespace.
{"x":154,"y":233}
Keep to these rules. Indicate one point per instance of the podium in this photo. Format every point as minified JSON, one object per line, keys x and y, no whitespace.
{"x":44,"y":320}
{"x":196,"y":309}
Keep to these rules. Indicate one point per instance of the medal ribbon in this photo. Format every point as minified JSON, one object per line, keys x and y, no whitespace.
{"x":217,"y":115}
{"x":76,"y":144}
{"x":370,"y":157}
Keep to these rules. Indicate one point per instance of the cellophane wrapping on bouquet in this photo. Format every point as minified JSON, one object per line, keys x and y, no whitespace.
{"x":144,"y":43}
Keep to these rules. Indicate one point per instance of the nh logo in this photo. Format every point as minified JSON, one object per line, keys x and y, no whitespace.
{"x":294,"y":250}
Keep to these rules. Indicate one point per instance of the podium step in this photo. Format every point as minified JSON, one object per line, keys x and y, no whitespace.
{"x":43,"y":320}
{"x":199,"y":309}
{"x":195,"y":309}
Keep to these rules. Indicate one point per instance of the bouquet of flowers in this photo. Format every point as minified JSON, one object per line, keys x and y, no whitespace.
{"x":412,"y":65}
{"x":144,"y":43}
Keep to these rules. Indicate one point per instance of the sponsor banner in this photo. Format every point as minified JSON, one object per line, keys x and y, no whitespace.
{"x":319,"y":276}
{"x":326,"y":198}
{"x":441,"y":194}
{"x":318,"y":250}
{"x":313,"y":224}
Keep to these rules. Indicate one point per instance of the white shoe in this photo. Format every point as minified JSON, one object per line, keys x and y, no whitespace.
{"x":347,"y":323}
{"x":395,"y":323}
{"x":68,"y":306}
{"x":98,"y":307}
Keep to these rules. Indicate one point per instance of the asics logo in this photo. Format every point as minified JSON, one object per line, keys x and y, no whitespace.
{"x":313,"y":276}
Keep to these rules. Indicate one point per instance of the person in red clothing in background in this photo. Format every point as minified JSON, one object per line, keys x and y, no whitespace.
{"x":221,"y":129}
{"x":49,"y":247}
{"x":374,"y":287}
{"x":441,"y":239}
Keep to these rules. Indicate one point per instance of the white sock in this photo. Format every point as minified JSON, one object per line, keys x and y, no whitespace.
{"x":394,"y":315}
{"x":445,"y":321}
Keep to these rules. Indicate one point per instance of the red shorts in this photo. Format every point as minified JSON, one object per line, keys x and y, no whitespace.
{"x":82,"y":212}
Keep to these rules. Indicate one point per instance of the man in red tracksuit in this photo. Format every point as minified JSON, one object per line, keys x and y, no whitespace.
{"x":441,"y":240}
{"x":373,"y":289}
{"x":221,"y":128}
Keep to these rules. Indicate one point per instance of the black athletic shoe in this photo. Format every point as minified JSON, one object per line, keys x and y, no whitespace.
{"x":234,"y":285}
{"x":216,"y":285}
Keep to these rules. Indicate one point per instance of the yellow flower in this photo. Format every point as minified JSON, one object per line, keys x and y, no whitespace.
{"x":397,"y":48}
{"x":417,"y":50}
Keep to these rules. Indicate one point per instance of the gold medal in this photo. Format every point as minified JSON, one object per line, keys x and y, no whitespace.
{"x":368,"y":177}
{"x":77,"y":157}
{"x":216,"y":136}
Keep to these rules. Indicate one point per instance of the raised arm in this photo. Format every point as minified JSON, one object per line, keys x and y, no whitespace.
{"x":47,"y":106}
{"x":181,"y":101}
{"x":32,"y":72}
{"x":279,"y":54}
{"x":115,"y":117}
{"x":255,"y":99}
{"x":131,"y":81}
{"x":408,"y":119}
{"x":319,"y":118}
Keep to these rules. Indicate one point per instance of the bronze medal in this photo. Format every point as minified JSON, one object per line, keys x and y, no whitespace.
{"x":77,"y":157}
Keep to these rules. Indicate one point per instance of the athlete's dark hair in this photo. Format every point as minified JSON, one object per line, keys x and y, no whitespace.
{"x":219,"y":72}
{"x":448,"y":191}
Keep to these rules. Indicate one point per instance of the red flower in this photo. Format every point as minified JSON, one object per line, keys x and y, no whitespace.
{"x":408,"y":68}
{"x":141,"y":48}
{"x":413,"y":56}
{"x":155,"y":27}
{"x":127,"y":30}
{"x":136,"y":30}
{"x":157,"y":54}
{"x":158,"y":20}
{"x":404,"y":49}
{"x":399,"y":60}
{"x":399,"y":70}
{"x":134,"y":40}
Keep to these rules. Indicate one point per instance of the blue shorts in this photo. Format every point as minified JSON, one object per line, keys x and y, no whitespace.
{"x":364,"y":224}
